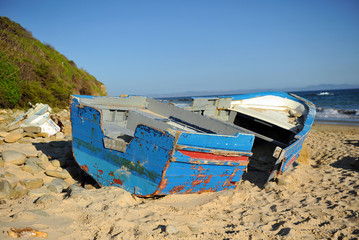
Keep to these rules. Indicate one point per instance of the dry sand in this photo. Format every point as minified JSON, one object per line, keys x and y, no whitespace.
{"x":317,"y":199}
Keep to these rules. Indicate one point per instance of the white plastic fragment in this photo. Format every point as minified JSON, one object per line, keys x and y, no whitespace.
{"x":38,"y":116}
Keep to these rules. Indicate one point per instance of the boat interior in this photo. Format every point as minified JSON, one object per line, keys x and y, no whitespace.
{"x":122,"y":115}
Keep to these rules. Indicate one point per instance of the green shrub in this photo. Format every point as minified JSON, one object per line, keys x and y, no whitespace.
{"x":10,"y":83}
{"x":42,"y":70}
{"x":31,"y":71}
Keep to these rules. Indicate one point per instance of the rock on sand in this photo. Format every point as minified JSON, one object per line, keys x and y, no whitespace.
{"x":13,"y":137}
{"x":13,"y":157}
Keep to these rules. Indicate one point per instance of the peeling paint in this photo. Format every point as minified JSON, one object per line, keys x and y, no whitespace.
{"x":118,"y":181}
{"x":208,"y":179}
{"x":177,"y":189}
{"x":84,"y":167}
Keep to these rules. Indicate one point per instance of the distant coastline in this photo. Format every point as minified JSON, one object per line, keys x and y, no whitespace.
{"x":320,"y":87}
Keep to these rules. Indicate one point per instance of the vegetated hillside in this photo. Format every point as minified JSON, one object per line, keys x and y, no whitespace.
{"x":31,"y":71}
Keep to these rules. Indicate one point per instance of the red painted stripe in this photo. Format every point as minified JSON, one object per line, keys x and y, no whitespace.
{"x":290,"y":162}
{"x":211,"y":156}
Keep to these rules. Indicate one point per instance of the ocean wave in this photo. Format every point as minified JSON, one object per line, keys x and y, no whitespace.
{"x":332,"y":113}
{"x":325,"y":94}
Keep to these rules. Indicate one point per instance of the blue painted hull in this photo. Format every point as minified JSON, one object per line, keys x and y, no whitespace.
{"x":154,"y":161}
{"x":291,"y":151}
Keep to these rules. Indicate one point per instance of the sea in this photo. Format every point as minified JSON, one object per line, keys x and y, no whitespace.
{"x":334,"y":106}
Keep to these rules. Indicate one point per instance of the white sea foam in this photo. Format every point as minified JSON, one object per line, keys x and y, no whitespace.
{"x":332,"y":113}
{"x":325,"y":94}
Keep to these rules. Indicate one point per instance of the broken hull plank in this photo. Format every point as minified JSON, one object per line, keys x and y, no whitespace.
{"x":157,"y":162}
{"x":290,"y":154}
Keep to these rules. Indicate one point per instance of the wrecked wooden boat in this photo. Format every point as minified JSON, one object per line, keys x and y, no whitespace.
{"x":279,"y":121}
{"x":149,"y":147}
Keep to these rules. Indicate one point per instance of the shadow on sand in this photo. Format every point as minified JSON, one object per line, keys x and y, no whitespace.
{"x":62,"y":151}
{"x":347,"y":163}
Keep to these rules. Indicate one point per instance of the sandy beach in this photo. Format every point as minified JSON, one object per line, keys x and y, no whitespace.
{"x":317,"y":199}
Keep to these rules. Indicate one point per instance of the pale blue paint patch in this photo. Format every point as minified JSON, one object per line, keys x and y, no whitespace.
{"x":240,"y":142}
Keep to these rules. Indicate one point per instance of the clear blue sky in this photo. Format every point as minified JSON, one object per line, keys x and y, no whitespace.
{"x":147,"y":47}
